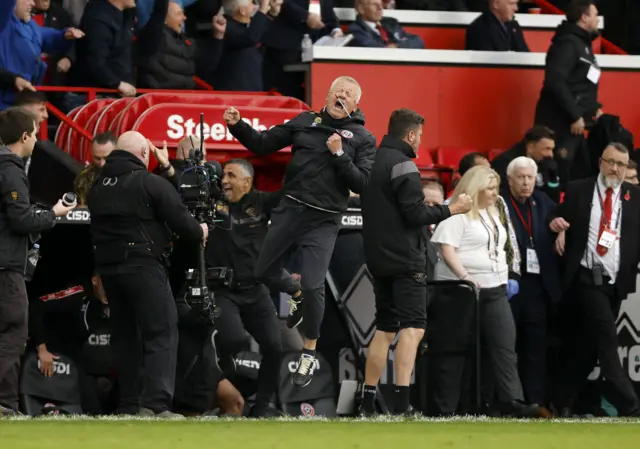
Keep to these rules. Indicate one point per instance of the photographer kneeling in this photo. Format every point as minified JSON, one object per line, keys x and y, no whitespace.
{"x":246,"y":303}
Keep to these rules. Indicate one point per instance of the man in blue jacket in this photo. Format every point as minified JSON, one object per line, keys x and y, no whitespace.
{"x":23,"y":41}
{"x":372,"y":30}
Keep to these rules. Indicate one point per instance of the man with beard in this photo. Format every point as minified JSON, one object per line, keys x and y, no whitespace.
{"x":332,"y":155}
{"x":599,"y":273}
{"x":538,"y":145}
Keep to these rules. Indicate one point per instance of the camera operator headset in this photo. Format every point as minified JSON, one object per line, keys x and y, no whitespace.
{"x":245,"y":303}
{"x":132,"y":214}
{"x":20,"y":224}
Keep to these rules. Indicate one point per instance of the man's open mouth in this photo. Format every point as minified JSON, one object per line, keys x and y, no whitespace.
{"x":339,"y":104}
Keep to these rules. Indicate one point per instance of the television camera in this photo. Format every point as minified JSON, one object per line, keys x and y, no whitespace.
{"x":200,"y":190}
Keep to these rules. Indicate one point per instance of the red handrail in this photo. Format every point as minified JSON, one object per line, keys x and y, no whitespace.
{"x":609,"y":47}
{"x":203,"y":84}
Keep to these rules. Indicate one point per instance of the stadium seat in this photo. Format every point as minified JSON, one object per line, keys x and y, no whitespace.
{"x":450,"y":156}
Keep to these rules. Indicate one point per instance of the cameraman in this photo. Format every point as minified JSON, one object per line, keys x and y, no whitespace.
{"x":246,"y":303}
{"x":17,"y":221}
{"x":132,"y":213}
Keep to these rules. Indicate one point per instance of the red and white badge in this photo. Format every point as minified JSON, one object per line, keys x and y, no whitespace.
{"x":346,"y":134}
{"x":608,"y":238}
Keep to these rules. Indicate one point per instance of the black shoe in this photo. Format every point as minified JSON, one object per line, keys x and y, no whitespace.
{"x":264,"y":411}
{"x":304,"y":374}
{"x":295,"y":312}
{"x":518,"y":409}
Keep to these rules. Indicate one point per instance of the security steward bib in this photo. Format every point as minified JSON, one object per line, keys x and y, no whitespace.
{"x":124,"y":227}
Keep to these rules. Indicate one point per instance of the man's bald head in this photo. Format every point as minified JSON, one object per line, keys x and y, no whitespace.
{"x":185,"y":146}
{"x":136,"y":144}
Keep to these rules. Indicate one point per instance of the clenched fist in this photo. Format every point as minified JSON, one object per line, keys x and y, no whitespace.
{"x":231,"y":116}
{"x":462,"y":205}
{"x":334,"y":143}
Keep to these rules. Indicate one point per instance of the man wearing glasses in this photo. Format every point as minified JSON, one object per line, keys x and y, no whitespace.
{"x":599,"y":273}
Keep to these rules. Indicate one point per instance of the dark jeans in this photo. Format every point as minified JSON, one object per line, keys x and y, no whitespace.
{"x":312,"y":233}
{"x":254,"y":311}
{"x":144,"y":336}
{"x":13,"y":334}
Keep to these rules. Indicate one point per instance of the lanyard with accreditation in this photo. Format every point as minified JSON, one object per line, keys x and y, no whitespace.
{"x":533,"y":264}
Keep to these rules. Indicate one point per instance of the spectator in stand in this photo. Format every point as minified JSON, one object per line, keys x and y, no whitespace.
{"x":283,"y":40}
{"x":168,"y":60}
{"x":104,"y":57}
{"x":103,"y":144}
{"x":372,"y":30}
{"x":241,"y":65}
{"x":22,"y":42}
{"x":34,"y":102}
{"x":631,"y":175}
{"x":9,"y":80}
{"x":497,"y":29}
{"x":538,"y":145}
{"x":52,"y":15}
{"x":569,"y":97}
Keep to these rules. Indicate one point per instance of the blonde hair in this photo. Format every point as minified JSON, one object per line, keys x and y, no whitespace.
{"x":472,"y":183}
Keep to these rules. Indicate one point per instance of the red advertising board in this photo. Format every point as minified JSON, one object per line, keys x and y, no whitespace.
{"x":172,"y":122}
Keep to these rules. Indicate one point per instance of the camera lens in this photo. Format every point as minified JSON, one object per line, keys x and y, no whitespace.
{"x":69,"y":199}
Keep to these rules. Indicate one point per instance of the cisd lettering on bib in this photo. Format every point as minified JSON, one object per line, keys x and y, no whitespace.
{"x":351,"y":220}
{"x":78,"y":215}
{"x":248,"y":363}
{"x":59,"y":368}
{"x":178,"y":127}
{"x":99,"y":340}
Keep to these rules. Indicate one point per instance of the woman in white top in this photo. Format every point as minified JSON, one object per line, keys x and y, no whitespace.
{"x":476,"y":247}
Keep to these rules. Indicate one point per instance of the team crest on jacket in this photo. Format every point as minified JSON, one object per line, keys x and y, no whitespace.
{"x":346,"y":134}
{"x":250,"y":211}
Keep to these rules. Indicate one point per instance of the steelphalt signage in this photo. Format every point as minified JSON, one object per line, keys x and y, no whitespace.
{"x":352,"y":219}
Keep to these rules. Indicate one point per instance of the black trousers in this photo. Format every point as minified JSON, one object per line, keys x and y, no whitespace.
{"x":572,"y":156}
{"x":251,"y":310}
{"x":144,"y":336}
{"x":14,"y":330}
{"x":530,"y":312}
{"x":588,"y":319}
{"x":312,"y":233}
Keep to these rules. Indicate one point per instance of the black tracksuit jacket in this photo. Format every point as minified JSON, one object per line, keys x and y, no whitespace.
{"x":314,"y":175}
{"x":394,"y":213}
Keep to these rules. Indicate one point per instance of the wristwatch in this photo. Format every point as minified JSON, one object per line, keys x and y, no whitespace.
{"x":339,"y":153}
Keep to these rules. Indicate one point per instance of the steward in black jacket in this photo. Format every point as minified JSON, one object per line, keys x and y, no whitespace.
{"x":132,"y":213}
{"x":571,"y":79}
{"x":394,"y":213}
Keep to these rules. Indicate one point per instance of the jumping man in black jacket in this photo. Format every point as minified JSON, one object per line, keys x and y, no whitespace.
{"x":394,"y":215}
{"x":132,"y":212}
{"x":19,"y":226}
{"x":332,"y":154}
{"x":569,"y":98}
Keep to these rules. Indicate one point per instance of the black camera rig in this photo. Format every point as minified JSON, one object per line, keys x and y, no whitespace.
{"x":200,"y":190}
